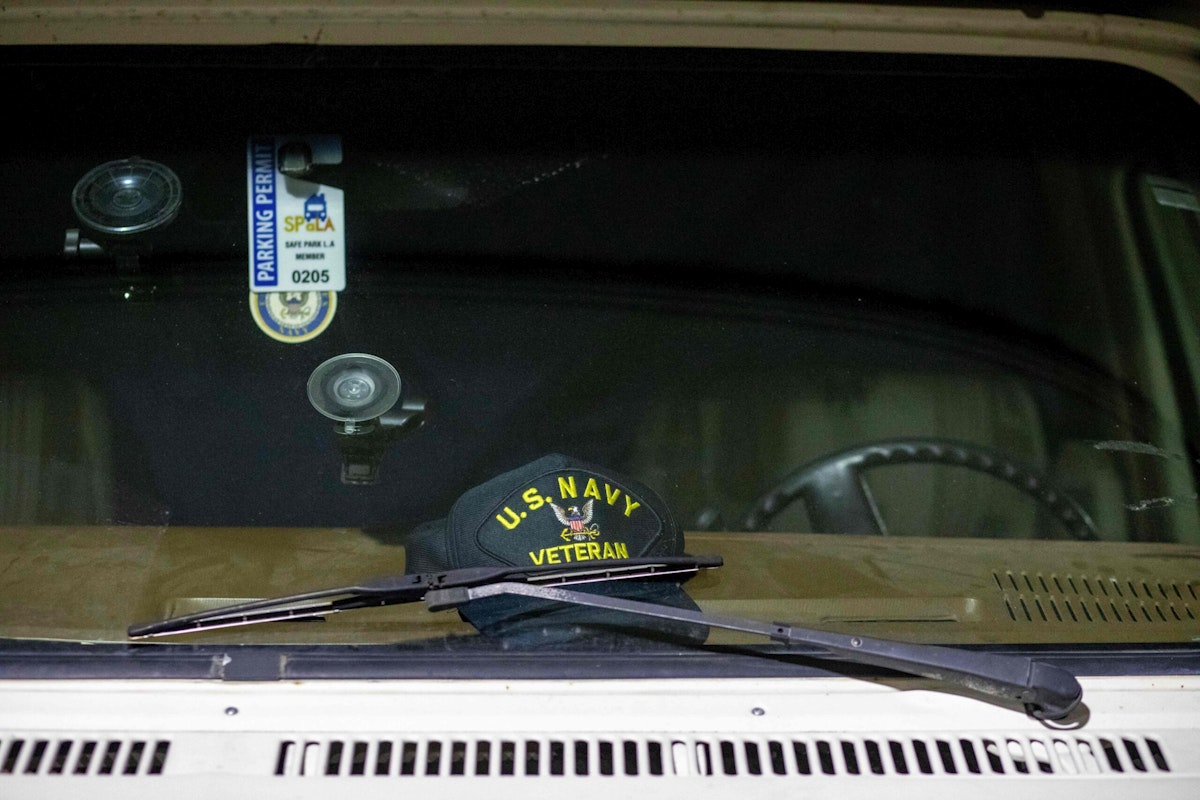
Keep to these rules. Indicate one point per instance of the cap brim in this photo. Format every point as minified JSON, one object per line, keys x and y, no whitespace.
{"x":528,"y":621}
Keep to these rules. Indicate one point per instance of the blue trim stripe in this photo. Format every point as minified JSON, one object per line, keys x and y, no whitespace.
{"x":264,"y":245}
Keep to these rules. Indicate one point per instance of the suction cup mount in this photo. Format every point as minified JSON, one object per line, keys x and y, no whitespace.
{"x":118,"y":202}
{"x":354,"y":387}
{"x":361,"y":392}
{"x":129,"y":196}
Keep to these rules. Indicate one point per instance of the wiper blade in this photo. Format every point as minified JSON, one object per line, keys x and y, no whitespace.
{"x":413,"y":588}
{"x":1046,"y":691}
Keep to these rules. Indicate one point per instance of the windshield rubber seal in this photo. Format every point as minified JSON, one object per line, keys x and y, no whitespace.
{"x":468,"y":658}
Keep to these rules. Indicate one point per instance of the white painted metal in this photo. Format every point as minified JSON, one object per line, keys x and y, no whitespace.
{"x":1165,"y":49}
{"x":831,"y":737}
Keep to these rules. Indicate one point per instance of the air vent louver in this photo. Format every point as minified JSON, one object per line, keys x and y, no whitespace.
{"x":115,"y":757}
{"x":583,"y":756}
{"x":1034,"y":597}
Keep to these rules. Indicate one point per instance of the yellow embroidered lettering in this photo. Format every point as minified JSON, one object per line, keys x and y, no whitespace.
{"x":551,"y":555}
{"x":608,"y":551}
{"x":611,"y":494}
{"x":630,"y":505}
{"x":592,"y":490}
{"x":581,"y":552}
{"x":566,"y":487}
{"x":593,"y":549}
{"x":513,"y":519}
{"x":537,"y":558}
{"x":533,"y":498}
{"x":622,"y":550}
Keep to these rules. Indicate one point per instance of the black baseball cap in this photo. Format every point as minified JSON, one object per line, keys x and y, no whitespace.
{"x":557,"y":510}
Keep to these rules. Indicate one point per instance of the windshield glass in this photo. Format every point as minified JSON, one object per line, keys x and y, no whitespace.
{"x":907,"y":341}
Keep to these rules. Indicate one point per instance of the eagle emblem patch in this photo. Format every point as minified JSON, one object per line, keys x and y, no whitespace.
{"x":578,"y":521}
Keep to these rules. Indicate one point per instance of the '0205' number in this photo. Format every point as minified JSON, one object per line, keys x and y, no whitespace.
{"x":310,"y":276}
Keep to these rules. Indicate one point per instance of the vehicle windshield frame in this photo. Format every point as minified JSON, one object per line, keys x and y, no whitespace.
{"x":718,"y":293}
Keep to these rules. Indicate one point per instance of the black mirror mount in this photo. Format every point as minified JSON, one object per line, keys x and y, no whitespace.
{"x":363,"y":393}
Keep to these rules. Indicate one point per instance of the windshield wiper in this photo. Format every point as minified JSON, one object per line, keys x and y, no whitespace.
{"x":1046,"y":691}
{"x":397,"y":589}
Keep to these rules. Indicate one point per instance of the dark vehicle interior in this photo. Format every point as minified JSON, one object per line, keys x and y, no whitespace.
{"x":703,"y":268}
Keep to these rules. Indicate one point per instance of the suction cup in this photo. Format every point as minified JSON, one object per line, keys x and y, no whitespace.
{"x":127,"y":196}
{"x":354,"y":387}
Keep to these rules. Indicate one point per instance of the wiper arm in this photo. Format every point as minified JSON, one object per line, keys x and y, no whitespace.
{"x":413,"y":588}
{"x":1046,"y":691}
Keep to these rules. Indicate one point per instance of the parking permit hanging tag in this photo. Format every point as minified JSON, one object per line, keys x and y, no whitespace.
{"x":297,"y":224}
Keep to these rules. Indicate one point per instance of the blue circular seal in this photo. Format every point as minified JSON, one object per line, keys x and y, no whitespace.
{"x":293,"y":317}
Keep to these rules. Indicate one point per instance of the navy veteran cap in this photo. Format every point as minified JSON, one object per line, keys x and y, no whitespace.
{"x":555,"y":510}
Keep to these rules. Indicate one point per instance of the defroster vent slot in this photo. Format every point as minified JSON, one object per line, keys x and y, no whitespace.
{"x":1035,"y":597}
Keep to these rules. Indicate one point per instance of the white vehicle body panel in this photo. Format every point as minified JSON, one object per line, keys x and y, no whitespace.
{"x":278,"y":739}
{"x":818,"y":736}
{"x":1164,"y":48}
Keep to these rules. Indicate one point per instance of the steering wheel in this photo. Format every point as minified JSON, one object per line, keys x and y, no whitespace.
{"x":838,"y":500}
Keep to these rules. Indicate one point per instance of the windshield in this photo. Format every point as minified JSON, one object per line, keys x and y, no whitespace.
{"x":908,"y":342}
